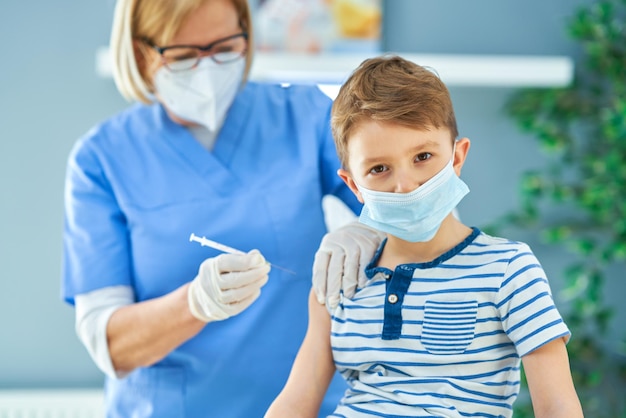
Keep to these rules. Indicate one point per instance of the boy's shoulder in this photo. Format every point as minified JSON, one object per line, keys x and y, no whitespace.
{"x":486,"y":240}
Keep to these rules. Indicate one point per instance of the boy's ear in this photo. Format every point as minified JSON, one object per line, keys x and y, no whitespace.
{"x":460,"y":154}
{"x":347,"y":178}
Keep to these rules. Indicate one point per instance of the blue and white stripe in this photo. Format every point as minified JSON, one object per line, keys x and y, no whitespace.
{"x":466,"y":320}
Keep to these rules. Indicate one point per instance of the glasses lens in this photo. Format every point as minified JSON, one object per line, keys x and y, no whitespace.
{"x":180,"y":59}
{"x":229,"y":49}
{"x":224,"y":57}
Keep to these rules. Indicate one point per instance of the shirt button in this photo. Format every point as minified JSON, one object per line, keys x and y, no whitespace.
{"x":393,"y":298}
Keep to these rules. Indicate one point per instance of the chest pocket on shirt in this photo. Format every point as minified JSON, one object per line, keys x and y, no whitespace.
{"x":448,"y":326}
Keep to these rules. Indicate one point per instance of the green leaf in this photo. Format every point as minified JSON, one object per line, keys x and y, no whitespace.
{"x":557,"y":234}
{"x":533,"y":184}
{"x":582,"y":246}
{"x":618,"y":251}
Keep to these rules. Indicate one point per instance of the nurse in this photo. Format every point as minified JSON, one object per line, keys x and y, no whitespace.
{"x":178,"y":329}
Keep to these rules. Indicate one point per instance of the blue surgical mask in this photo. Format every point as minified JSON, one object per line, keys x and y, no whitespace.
{"x":415,"y":216}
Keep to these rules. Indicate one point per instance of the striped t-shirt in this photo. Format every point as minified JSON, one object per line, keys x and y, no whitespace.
{"x":444,"y":338}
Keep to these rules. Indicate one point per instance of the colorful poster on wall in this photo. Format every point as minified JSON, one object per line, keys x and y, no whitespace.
{"x":313,"y":26}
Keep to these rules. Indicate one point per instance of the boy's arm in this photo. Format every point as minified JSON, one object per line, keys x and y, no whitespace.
{"x":312,"y":370}
{"x":550,"y":382}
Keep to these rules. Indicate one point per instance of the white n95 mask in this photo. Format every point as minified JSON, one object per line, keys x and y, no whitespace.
{"x":202,"y":94}
{"x":415,"y":216}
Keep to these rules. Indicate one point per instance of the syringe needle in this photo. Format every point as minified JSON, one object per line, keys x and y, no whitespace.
{"x":205,"y":242}
{"x":286,"y":270}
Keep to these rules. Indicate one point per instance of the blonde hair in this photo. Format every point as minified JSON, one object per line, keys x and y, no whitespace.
{"x":159,"y":21}
{"x":394,"y":90}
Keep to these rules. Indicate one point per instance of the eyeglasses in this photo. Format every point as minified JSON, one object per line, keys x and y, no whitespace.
{"x":186,"y":57}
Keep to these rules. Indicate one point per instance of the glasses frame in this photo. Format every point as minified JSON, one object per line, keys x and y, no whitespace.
{"x":206,"y":48}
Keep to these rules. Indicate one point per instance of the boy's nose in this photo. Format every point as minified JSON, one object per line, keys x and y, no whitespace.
{"x":405,"y":184}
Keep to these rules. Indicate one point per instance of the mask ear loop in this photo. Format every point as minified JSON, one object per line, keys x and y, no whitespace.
{"x":453,"y":154}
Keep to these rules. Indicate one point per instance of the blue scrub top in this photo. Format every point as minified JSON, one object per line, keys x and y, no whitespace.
{"x":139,"y":184}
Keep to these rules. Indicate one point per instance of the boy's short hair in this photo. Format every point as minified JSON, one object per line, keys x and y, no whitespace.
{"x":394,"y":90}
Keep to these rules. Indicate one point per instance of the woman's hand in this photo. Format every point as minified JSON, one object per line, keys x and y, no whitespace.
{"x":141,"y":334}
{"x":341,"y":259}
{"x":226,"y":285}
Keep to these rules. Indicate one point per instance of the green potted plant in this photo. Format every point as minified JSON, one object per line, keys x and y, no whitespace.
{"x":578,"y":200}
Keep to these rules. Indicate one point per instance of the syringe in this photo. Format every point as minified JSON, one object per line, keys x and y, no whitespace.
{"x":205,"y":242}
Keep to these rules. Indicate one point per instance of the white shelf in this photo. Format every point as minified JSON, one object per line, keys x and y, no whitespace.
{"x":454,"y":70}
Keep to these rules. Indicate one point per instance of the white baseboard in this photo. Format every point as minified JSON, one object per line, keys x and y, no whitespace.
{"x":52,"y":403}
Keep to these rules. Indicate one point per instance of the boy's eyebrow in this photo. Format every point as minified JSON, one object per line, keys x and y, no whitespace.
{"x":431,"y":143}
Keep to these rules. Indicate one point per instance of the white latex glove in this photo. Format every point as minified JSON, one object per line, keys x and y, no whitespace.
{"x":226,"y":285}
{"x":341,"y":260}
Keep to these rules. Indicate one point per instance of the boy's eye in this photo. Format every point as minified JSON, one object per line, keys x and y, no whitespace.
{"x":423,"y":156}
{"x":378,"y":169}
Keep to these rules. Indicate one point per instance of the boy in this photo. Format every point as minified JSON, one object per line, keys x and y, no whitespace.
{"x":448,"y":311}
